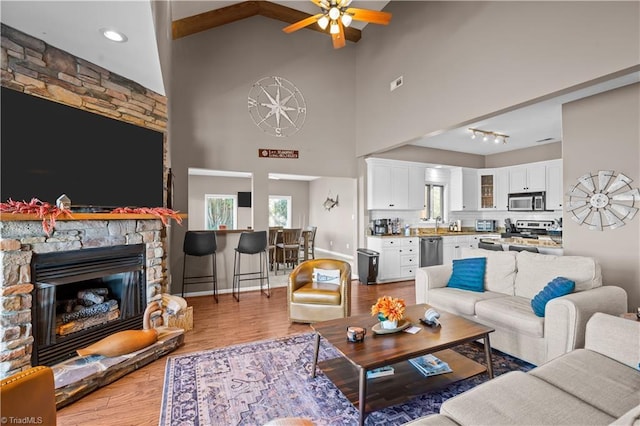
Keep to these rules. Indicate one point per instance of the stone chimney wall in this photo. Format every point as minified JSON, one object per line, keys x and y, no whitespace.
{"x":30,"y":65}
{"x":20,"y":239}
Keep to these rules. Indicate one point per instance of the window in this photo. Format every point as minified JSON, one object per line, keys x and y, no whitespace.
{"x":280,"y":211}
{"x":220,"y":209}
{"x":434,"y":201}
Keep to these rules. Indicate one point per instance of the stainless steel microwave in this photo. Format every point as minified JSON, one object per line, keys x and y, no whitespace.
{"x":527,"y":201}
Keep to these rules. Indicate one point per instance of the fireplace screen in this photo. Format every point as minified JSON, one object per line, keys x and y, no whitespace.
{"x":82,"y":296}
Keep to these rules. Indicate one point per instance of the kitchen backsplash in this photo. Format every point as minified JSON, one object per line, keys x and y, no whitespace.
{"x":468,"y":218}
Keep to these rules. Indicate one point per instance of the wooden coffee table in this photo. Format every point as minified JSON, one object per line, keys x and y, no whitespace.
{"x":349,"y":372}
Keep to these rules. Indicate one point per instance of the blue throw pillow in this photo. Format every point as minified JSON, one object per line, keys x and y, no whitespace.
{"x":468,"y":274}
{"x":558,"y":286}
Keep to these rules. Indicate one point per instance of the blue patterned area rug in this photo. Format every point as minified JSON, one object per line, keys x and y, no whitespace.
{"x":253,"y":383}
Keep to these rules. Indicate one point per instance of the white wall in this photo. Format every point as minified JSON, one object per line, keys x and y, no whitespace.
{"x":602,"y":132}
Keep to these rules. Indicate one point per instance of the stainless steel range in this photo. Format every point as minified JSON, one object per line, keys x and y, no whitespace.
{"x":530,"y":228}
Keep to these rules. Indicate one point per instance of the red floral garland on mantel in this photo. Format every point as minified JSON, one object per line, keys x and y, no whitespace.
{"x":163,"y":213}
{"x":48,"y":212}
{"x":45,"y":211}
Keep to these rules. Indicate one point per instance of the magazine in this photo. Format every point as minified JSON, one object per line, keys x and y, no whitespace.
{"x":387,"y":370}
{"x":430,"y":365}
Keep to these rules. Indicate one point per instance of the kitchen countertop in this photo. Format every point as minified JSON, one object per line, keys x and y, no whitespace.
{"x":441,"y":233}
{"x":519,"y":241}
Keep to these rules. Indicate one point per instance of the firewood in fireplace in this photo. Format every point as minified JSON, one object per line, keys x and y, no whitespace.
{"x":90,"y":311}
{"x":92,"y":296}
{"x":83,"y":323}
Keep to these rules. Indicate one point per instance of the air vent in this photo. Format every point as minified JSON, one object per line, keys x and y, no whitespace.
{"x":545,"y":140}
{"x":396,"y":83}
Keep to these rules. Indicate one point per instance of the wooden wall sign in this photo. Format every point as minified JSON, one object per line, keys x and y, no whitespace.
{"x":277,"y":153}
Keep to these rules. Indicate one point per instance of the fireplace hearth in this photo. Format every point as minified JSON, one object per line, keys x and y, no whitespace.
{"x":82,"y":296}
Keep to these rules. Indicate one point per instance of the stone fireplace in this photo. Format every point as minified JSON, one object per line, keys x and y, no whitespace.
{"x":27,"y":289}
{"x":81,"y":296}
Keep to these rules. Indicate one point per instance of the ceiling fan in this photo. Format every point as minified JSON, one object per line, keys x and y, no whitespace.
{"x":336,"y":14}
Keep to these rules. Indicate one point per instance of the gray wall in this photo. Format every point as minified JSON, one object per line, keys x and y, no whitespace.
{"x":199,"y":186}
{"x":336,"y":227}
{"x":447,"y":53}
{"x":210,"y":126}
{"x":548,"y":151}
{"x":465,"y":60}
{"x":602,"y":132}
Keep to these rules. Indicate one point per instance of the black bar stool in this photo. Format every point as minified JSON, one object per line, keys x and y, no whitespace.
{"x":251,"y":243}
{"x":200,"y":243}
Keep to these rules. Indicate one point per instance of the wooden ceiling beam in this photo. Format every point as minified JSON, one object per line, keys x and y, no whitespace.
{"x":226,"y":15}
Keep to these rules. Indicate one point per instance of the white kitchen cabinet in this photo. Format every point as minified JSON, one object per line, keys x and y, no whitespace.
{"x":554,"y":196}
{"x":394,"y":185}
{"x":452,"y":246}
{"x":463,"y":189}
{"x":493,"y":189}
{"x":528,"y":178}
{"x":398,"y":259}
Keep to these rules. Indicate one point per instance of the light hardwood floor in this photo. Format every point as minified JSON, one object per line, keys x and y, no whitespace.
{"x":136,"y":398}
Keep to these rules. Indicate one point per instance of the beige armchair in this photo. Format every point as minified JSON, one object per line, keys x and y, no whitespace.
{"x":310,"y":301}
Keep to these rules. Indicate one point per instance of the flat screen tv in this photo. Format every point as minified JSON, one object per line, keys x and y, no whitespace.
{"x":48,"y":149}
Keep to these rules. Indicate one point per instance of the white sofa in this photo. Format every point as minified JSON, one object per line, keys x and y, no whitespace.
{"x":597,"y":385}
{"x":512,"y":279}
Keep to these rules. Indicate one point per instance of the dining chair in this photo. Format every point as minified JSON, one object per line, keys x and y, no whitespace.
{"x":273,"y":240}
{"x":307,"y":243}
{"x":288,"y":250}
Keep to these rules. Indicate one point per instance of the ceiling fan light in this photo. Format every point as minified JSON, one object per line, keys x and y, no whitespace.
{"x":334,"y":13}
{"x":323,"y":22}
{"x":335,"y":29}
{"x":346,"y":19}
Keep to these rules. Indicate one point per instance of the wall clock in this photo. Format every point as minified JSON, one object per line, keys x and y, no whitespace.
{"x":276,"y":106}
{"x":603,"y":200}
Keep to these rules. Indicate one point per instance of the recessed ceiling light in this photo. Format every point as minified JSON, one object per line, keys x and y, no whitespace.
{"x":114,"y":35}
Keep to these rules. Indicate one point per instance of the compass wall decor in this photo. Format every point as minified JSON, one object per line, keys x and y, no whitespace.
{"x":603,"y":200}
{"x":277,"y":106}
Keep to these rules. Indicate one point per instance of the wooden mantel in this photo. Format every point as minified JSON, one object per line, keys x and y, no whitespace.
{"x":82,"y":216}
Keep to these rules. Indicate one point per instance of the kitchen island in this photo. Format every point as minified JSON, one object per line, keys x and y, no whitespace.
{"x":544,"y":244}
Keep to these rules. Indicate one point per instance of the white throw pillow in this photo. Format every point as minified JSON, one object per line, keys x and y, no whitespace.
{"x":536,"y":270}
{"x":500,"y":273}
{"x":326,"y":276}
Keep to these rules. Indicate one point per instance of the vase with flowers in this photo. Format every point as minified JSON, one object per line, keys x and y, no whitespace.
{"x":389,"y":311}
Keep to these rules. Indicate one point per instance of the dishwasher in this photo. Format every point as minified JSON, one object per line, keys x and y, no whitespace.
{"x":430,"y":251}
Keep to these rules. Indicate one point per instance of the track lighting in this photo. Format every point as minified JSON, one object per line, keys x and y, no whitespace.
{"x":486,"y":134}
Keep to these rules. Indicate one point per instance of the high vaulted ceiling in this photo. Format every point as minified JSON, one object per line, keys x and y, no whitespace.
{"x":74,"y":27}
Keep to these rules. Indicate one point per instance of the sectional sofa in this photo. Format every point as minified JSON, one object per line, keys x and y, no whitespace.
{"x":511,"y":281}
{"x":597,"y":385}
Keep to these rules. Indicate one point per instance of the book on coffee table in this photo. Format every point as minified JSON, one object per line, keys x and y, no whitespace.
{"x":387,"y":370}
{"x":430,"y":365}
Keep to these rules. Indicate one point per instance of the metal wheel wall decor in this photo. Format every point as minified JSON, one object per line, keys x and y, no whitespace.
{"x":603,"y":200}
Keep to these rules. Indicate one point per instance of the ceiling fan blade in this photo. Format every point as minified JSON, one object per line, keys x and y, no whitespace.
{"x":373,"y":16}
{"x":338,"y":39}
{"x":301,"y":24}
